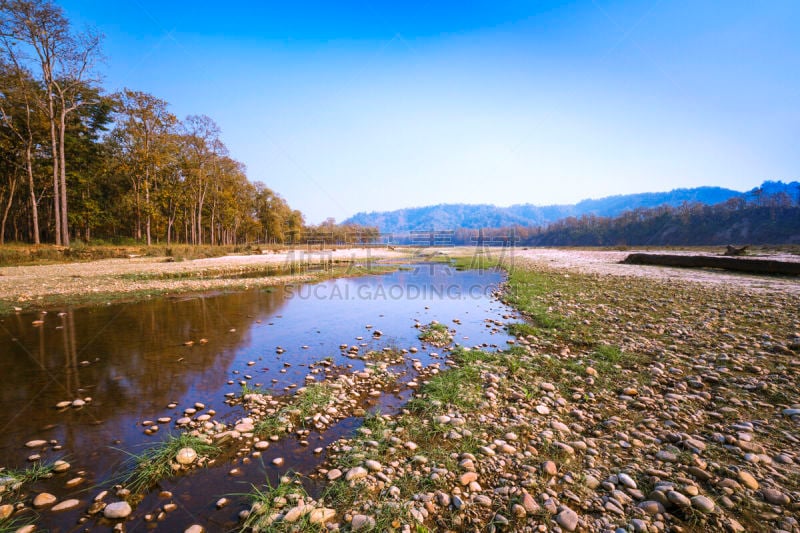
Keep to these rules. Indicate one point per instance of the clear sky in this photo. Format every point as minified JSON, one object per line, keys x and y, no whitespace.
{"x":360,"y":106}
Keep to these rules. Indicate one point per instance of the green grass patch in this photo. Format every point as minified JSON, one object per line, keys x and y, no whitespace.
{"x":457,"y":387}
{"x":17,"y":478}
{"x":436,"y":334}
{"x":155,"y":463}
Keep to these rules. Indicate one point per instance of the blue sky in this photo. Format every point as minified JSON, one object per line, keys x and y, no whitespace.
{"x":359,"y":106}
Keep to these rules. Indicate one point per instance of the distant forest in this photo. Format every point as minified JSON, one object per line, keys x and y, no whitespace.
{"x":758,"y":219}
{"x":78,"y":163}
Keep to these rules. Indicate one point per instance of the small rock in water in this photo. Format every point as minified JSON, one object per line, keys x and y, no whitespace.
{"x":66,"y":505}
{"x":44,"y":499}
{"x":186,"y":456}
{"x":117,"y":510}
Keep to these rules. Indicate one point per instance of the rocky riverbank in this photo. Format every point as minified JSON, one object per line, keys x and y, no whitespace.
{"x":625,"y":404}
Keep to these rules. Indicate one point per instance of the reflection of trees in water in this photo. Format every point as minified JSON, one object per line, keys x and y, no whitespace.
{"x":139,"y":347}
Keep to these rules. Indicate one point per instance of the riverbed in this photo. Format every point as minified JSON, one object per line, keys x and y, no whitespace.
{"x":93,"y":382}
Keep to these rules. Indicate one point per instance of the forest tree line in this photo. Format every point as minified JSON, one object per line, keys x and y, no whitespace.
{"x":756,"y":219}
{"x":79,"y":162}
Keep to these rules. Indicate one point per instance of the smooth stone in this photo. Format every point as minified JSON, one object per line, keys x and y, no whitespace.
{"x":361,"y":521}
{"x":278,"y":461}
{"x":38,"y":443}
{"x":651,"y":507}
{"x":356,"y":473}
{"x":678,"y":499}
{"x":6,"y":510}
{"x":468,"y":477}
{"x":373,"y":465}
{"x":117,"y":510}
{"x":261,"y":445}
{"x":195,"y":528}
{"x":321,"y":515}
{"x":186,"y":456}
{"x":483,"y":500}
{"x":529,"y":503}
{"x":244,"y":427}
{"x":334,"y":474}
{"x":702,"y":504}
{"x":775,"y":497}
{"x":44,"y":499}
{"x":66,"y":505}
{"x":626,"y":480}
{"x":568,"y":519}
{"x":294,"y":514}
{"x":549,"y":468}
{"x":747,"y":479}
{"x":458,"y":503}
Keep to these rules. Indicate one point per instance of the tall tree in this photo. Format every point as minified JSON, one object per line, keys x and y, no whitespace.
{"x":144,"y":130}
{"x":37,"y":32}
{"x":21,"y":120}
{"x":203,"y":148}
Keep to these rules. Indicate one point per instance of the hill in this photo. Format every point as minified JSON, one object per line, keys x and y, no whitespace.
{"x":470,"y":216}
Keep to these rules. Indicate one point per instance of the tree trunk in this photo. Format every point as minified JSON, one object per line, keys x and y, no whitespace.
{"x":63,"y":169}
{"x":147,"y":206}
{"x":56,"y":188}
{"x":11,"y":191}
{"x":34,"y":206}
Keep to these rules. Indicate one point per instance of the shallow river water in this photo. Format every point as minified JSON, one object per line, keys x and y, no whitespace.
{"x":130,"y":362}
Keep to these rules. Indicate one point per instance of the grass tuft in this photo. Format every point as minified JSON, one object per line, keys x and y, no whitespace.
{"x":155,"y":463}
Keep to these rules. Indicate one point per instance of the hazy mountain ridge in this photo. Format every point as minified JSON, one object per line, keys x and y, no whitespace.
{"x":475,"y":216}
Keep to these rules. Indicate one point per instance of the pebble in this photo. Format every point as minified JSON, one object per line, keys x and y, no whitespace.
{"x":356,"y":473}
{"x":703,"y":504}
{"x":568,"y":519}
{"x":361,"y":521}
{"x":117,"y":510}
{"x":321,"y":515}
{"x":626,"y":480}
{"x":747,"y":480}
{"x":6,"y":510}
{"x":186,"y":456}
{"x":775,"y":497}
{"x":678,"y":499}
{"x":549,"y":468}
{"x":468,"y":477}
{"x":44,"y":499}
